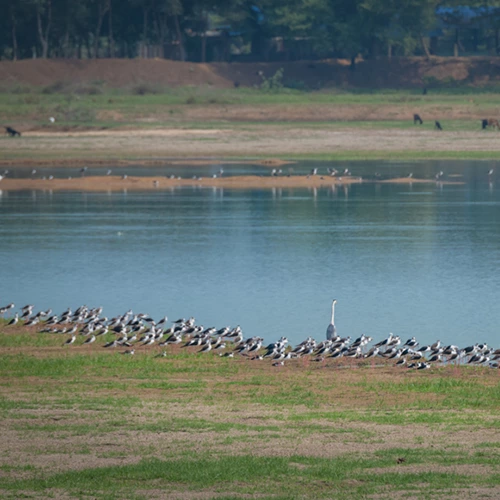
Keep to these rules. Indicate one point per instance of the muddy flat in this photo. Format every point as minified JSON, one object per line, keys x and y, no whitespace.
{"x":255,"y":142}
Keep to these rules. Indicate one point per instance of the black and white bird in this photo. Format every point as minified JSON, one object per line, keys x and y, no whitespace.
{"x":14,"y":320}
{"x":70,"y":340}
{"x":411,"y":342}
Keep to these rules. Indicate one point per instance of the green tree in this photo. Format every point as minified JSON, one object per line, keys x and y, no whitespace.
{"x":43,"y":11}
{"x":401,"y":22}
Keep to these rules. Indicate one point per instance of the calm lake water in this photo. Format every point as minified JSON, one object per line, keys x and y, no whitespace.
{"x":415,"y":259}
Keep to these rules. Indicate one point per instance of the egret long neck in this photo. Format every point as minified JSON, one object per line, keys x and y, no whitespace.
{"x":333,"y":313}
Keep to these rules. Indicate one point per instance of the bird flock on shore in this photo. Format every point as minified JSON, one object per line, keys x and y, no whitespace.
{"x":136,"y":331}
{"x":340,"y":175}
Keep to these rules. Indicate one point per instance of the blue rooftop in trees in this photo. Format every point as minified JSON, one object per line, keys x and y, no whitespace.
{"x":454,"y":17}
{"x":464,"y":15}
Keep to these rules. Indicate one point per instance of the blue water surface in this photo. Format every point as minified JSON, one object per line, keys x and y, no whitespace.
{"x":419,"y":259}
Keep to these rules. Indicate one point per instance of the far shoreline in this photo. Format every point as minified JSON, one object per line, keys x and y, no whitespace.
{"x":117,"y":162}
{"x":271,"y":145}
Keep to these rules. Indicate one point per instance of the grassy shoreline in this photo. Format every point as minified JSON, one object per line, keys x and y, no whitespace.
{"x":72,"y":159}
{"x":95,"y":125}
{"x":81,"y":420}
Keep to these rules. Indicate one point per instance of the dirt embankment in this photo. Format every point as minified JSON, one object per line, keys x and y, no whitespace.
{"x":380,"y":73}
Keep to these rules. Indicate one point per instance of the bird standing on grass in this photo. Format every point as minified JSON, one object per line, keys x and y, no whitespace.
{"x":70,"y":340}
{"x":14,"y":320}
{"x":331,"y":331}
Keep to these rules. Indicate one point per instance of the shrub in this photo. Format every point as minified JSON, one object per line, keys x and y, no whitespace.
{"x":273,"y":83}
{"x":88,"y":89}
{"x":144,"y":88}
{"x":295,"y":85}
{"x":17,"y":89}
{"x":55,"y":88}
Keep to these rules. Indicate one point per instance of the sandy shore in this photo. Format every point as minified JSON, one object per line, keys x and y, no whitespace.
{"x":118,"y":183}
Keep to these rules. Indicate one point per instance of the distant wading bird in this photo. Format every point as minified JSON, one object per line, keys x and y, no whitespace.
{"x":331,"y":331}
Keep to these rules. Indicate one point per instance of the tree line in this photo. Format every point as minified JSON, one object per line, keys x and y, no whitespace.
{"x":201,"y":30}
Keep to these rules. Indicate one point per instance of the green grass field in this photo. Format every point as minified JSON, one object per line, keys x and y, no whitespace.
{"x":244,"y":119}
{"x":73,"y":105}
{"x":83,"y":422}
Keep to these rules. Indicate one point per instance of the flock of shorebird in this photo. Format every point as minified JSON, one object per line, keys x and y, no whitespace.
{"x":132,"y":331}
{"x":331,"y":172}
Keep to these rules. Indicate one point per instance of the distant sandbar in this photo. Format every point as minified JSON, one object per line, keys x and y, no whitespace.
{"x":119,"y":183}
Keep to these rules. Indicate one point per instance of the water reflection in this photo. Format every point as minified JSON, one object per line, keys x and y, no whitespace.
{"x":408,"y":259}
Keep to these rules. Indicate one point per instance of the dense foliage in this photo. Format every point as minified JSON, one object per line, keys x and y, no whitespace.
{"x":200,"y":30}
